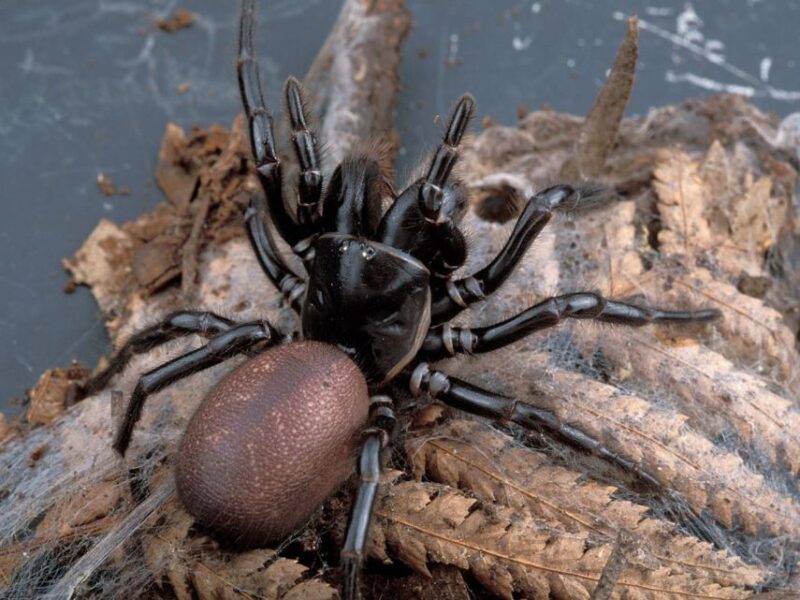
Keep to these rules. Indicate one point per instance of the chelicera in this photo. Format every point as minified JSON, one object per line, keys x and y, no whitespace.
{"x":282,"y":431}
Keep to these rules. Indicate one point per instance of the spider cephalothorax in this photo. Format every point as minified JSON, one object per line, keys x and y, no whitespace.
{"x":370,"y":300}
{"x":282,"y":431}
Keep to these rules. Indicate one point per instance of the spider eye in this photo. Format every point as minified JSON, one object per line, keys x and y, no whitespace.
{"x":319,"y":297}
{"x":389,"y":319}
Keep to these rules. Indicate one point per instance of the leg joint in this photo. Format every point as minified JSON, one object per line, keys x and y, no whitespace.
{"x":423,"y":379}
{"x":458,"y":339}
{"x":583,"y":305}
{"x":382,"y":418}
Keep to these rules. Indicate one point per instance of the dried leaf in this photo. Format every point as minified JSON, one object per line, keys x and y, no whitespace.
{"x":193,"y":566}
{"x":103,"y":263}
{"x":7,"y":431}
{"x":750,"y":222}
{"x":511,"y":554}
{"x":53,"y":393}
{"x":88,"y":505}
{"x":754,"y":332}
{"x":681,"y":203}
{"x":720,"y":398}
{"x":496,"y":469}
{"x":659,"y":438}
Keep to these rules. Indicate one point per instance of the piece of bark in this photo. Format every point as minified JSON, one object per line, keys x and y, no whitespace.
{"x":598,"y":133}
{"x":56,"y":390}
{"x":354,"y":80}
{"x":7,"y":430}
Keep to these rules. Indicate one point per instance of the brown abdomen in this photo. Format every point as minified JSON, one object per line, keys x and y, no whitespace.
{"x":271,"y":441}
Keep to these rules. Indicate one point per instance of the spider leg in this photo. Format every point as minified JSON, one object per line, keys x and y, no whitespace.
{"x":473,"y":399}
{"x":431,"y":192}
{"x":282,"y":277}
{"x":259,"y":127}
{"x":423,"y":219}
{"x":309,"y":188}
{"x":448,"y":341}
{"x":174,"y":325}
{"x":239,"y":338}
{"x":458,"y":294}
{"x":439,"y":245}
{"x":354,"y":198}
{"x":377,"y":436}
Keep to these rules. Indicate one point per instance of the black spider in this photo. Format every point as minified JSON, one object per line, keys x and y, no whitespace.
{"x":281,"y":432}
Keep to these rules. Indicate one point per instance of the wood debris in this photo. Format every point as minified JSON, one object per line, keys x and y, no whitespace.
{"x":599,"y":131}
{"x":56,"y":390}
{"x":107,"y":187}
{"x":192,"y":566}
{"x":180,"y":19}
{"x":7,"y":430}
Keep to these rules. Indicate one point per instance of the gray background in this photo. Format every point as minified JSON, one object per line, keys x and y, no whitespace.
{"x":88,"y":86}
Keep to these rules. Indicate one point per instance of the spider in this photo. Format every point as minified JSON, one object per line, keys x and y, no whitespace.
{"x":281,"y":432}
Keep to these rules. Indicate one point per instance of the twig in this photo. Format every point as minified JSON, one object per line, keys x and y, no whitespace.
{"x":599,"y":131}
{"x":613,"y":569}
{"x":191,"y":249}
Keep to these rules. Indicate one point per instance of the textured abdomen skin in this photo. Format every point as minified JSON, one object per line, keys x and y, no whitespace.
{"x":271,"y":441}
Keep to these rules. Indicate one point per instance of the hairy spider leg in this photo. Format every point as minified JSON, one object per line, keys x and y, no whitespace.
{"x":175,"y":325}
{"x":456,"y":295}
{"x":353,"y":203}
{"x":444,"y":159}
{"x":445,"y":341}
{"x":259,"y":127}
{"x":267,"y":162}
{"x":423,"y":220}
{"x":240,"y":338}
{"x":309,"y":184}
{"x":473,"y":399}
{"x":282,"y":277}
{"x":380,"y":432}
{"x":478,"y":401}
{"x":268,"y":169}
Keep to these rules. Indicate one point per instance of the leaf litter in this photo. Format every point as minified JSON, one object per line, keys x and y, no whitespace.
{"x":705,"y":215}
